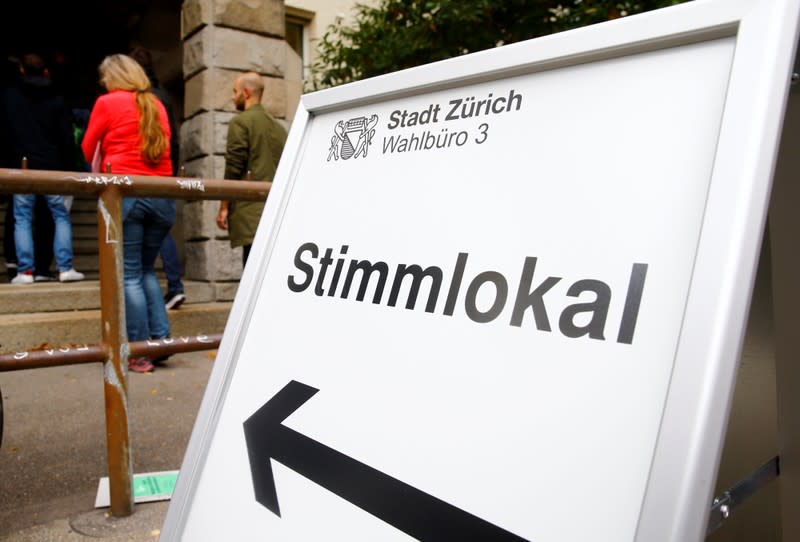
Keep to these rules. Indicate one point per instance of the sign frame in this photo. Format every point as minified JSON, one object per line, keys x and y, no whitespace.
{"x":689,"y":442}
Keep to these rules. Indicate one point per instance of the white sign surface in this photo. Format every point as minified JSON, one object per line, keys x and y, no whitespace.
{"x":467,"y":310}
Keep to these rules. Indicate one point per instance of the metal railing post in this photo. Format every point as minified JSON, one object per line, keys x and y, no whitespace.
{"x":115,"y":348}
{"x":115,"y":344}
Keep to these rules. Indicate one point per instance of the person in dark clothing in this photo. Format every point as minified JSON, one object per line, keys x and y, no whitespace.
{"x":38,"y":120}
{"x":169,"y":251}
{"x":44,"y":227}
{"x":37,"y":127}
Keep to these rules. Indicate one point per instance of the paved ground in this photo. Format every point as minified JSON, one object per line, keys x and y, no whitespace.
{"x":54,"y":450}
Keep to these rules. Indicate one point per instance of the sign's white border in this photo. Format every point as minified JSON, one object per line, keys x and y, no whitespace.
{"x":683,"y":472}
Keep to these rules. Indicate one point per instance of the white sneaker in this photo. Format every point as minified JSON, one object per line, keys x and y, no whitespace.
{"x":70,"y":275}
{"x":23,"y":278}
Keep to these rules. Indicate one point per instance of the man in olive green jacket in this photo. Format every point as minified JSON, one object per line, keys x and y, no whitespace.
{"x":255,"y":142}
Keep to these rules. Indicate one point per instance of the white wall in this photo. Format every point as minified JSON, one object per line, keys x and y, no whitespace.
{"x":325,"y":12}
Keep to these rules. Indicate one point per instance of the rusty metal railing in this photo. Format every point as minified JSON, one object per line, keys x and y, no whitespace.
{"x":92,"y":353}
{"x":114,"y":350}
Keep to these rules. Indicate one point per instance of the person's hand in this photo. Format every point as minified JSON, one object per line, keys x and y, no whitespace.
{"x":222,"y":219}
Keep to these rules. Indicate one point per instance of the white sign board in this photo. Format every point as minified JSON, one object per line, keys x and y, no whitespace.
{"x":501,"y":297}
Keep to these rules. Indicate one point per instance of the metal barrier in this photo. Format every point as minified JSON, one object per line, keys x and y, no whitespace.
{"x":115,"y":349}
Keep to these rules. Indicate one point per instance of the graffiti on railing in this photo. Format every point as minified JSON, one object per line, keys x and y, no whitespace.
{"x":202,"y":339}
{"x":191,"y":184}
{"x":172,"y":340}
{"x":52,"y":351}
{"x":104,"y":180}
{"x":111,"y":236}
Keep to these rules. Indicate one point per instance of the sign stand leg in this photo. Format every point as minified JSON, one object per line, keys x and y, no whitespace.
{"x":784,"y":224}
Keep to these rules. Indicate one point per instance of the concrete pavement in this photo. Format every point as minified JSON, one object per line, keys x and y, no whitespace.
{"x":54,"y":451}
{"x":144,"y":525}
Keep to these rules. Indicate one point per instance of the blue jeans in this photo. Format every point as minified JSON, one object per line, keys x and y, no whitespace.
{"x":145,"y":223}
{"x":172,"y":265}
{"x":23,"y":231}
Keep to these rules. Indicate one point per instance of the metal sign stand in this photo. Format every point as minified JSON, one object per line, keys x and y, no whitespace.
{"x":784,"y":227}
{"x":723,"y":506}
{"x":784,"y":223}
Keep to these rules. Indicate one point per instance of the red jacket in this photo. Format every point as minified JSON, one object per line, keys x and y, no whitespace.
{"x":115,"y":123}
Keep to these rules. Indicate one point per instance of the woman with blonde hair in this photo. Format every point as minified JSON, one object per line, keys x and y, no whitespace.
{"x":129,"y":129}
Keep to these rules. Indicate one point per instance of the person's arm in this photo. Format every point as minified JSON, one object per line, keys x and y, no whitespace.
{"x":66,"y":138}
{"x":6,"y":152}
{"x":222,"y":215}
{"x":236,"y":151}
{"x":174,"y":140}
{"x":95,"y":130}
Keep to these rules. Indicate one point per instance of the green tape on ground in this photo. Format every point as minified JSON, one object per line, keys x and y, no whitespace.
{"x":154,"y":485}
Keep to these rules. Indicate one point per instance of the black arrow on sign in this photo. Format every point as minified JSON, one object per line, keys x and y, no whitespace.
{"x":414,"y":512}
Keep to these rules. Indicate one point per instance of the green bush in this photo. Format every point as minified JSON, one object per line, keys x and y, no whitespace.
{"x":398,"y":34}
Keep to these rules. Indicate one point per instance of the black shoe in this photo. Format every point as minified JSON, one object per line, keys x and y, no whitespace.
{"x":158,"y":361}
{"x":44,"y":277}
{"x":11,"y":270}
{"x":173,"y":300}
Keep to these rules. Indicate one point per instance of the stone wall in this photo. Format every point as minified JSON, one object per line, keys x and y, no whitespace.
{"x":222,"y":39}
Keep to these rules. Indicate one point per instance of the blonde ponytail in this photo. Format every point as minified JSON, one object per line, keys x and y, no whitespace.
{"x":121,"y":72}
{"x":154,"y":140}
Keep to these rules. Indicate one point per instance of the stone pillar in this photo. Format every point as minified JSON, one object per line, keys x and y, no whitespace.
{"x":222,"y":39}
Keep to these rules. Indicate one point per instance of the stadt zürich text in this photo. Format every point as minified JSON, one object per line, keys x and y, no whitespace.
{"x":430,"y":138}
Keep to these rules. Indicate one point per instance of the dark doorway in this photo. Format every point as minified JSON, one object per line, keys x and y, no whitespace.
{"x":74,"y":36}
